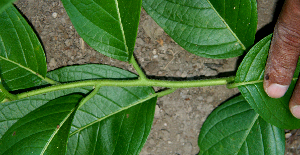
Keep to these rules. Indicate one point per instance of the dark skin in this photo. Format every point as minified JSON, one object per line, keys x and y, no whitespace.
{"x":283,"y":55}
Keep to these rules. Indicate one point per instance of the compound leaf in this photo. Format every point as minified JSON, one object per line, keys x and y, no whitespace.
{"x":208,"y":28}
{"x":42,"y":131}
{"x":249,"y":80}
{"x":108,"y":26}
{"x":117,"y":120}
{"x":235,"y":128}
{"x":22,"y":59}
{"x":135,"y":104}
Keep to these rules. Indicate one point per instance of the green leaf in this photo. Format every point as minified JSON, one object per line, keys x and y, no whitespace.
{"x":5,"y":3}
{"x":22,"y":59}
{"x":109,"y":129}
{"x":107,"y":104}
{"x":2,"y":96}
{"x":42,"y":131}
{"x":208,"y":28}
{"x":249,"y":80}
{"x":11,"y":112}
{"x":88,"y":72}
{"x":235,"y":128}
{"x":108,"y":26}
{"x":117,"y":120}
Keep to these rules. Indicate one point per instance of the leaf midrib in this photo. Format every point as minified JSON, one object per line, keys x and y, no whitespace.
{"x":121,"y":26}
{"x":265,"y":104}
{"x":21,"y":66}
{"x":56,"y":131}
{"x":250,"y":128}
{"x":118,"y":111}
{"x":229,"y":134}
{"x":255,"y":82}
{"x":235,"y":36}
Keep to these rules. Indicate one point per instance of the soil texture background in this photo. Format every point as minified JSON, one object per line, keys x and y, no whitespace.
{"x":178,"y":116}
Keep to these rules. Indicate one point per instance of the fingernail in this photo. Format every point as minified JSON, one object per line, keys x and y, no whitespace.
{"x":296,"y":111}
{"x":276,"y":90}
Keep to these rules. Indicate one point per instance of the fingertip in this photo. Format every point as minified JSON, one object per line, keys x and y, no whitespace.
{"x":295,"y":110}
{"x":276,"y":90}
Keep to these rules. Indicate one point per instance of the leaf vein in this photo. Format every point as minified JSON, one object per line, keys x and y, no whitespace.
{"x":235,"y":36}
{"x":220,"y":121}
{"x":17,"y":34}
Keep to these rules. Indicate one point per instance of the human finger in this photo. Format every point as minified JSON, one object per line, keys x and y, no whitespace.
{"x":295,"y":101}
{"x":284,"y":50}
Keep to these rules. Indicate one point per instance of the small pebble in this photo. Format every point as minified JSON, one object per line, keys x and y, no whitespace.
{"x":288,"y":135}
{"x":52,"y":62}
{"x":54,"y":14}
{"x":177,"y":73}
{"x":154,"y":51}
{"x":184,"y":74}
{"x":82,"y":46}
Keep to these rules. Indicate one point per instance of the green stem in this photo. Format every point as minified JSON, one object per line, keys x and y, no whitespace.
{"x":5,"y":100}
{"x":166,"y":92}
{"x":50,"y":81}
{"x":92,"y":94}
{"x":8,"y":95}
{"x":137,"y":68}
{"x":130,"y":83}
{"x":188,"y":84}
{"x":234,"y":85}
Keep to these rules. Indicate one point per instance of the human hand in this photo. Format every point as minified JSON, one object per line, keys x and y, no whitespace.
{"x":283,"y":56}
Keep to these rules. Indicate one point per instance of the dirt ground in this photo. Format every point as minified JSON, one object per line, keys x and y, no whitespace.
{"x":178,"y":116}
